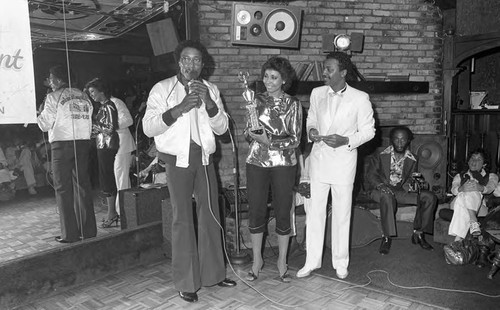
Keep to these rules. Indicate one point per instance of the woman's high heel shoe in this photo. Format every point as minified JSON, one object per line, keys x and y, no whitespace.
{"x":251,"y":276}
{"x":284,"y":277}
{"x":109,"y":223}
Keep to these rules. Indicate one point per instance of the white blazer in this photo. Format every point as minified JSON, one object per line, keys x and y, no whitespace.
{"x":127,"y":144}
{"x":352,"y":118}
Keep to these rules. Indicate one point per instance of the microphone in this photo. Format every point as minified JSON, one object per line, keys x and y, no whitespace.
{"x":188,"y":90}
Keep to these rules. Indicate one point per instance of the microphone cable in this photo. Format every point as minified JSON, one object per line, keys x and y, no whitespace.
{"x":224,"y":238}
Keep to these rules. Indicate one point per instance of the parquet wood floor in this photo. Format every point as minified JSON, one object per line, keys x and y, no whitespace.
{"x":151,"y":287}
{"x":28,"y":224}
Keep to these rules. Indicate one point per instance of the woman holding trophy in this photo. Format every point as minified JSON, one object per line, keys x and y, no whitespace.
{"x":274,"y":129}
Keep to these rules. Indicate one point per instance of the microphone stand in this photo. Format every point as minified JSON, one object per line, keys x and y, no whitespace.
{"x":237,"y":257}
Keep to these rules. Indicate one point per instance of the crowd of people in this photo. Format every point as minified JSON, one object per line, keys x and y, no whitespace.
{"x":185,"y":112}
{"x":22,"y":158}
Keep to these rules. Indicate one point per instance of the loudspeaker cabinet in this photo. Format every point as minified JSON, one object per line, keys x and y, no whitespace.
{"x":266,"y":25}
{"x":432,"y":161}
{"x":139,"y":206}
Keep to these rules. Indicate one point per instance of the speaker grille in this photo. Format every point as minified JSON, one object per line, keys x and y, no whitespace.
{"x":265,"y":25}
{"x":431,"y":151}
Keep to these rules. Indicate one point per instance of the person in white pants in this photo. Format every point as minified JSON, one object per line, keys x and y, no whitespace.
{"x":469,"y":188}
{"x":339,"y":120}
{"x":123,"y":158}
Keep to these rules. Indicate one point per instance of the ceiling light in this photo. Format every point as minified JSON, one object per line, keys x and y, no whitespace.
{"x":342,"y":42}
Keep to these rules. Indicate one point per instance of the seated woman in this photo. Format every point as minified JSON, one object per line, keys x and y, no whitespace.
{"x":469,"y":188}
{"x":20,"y":160}
{"x":7,"y":190}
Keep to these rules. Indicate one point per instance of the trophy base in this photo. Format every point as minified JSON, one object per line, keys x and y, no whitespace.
{"x":257,"y":131}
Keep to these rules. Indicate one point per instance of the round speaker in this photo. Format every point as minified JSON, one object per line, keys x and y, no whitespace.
{"x":243,"y":17}
{"x":255,"y":30}
{"x":430,"y":154}
{"x":281,"y":25}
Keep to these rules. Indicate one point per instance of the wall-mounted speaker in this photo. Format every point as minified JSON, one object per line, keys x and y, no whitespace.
{"x":163,"y":36}
{"x":266,"y":25}
{"x":431,"y":151}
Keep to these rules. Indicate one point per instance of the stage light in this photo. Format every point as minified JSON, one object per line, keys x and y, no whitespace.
{"x":342,"y":42}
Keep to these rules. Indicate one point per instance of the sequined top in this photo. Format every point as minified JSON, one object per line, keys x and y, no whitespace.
{"x":282,"y":121}
{"x":104,"y":126}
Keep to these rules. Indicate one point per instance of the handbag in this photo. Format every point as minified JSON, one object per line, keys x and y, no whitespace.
{"x":462,"y":252}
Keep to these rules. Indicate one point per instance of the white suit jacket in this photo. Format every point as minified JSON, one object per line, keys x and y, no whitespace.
{"x":352,"y":118}
{"x":175,"y":139}
{"x":125,"y":120}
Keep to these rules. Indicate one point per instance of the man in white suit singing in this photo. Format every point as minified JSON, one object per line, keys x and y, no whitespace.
{"x":340,"y":119}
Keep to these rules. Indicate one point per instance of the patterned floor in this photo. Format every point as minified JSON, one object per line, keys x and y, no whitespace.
{"x":151,"y":287}
{"x":28,"y":224}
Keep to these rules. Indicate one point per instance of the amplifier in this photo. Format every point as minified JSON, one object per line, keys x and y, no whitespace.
{"x":140,"y":206}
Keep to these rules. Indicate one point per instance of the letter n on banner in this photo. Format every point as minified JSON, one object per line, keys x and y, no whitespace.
{"x":17,"y":82}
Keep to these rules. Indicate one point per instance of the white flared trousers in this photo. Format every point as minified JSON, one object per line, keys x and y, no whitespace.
{"x":122,"y":169}
{"x":460,"y":221}
{"x":316,"y":220}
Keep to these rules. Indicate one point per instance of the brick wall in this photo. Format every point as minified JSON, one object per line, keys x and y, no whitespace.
{"x":401,"y":36}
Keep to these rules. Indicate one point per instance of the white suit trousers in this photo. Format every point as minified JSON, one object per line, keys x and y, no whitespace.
{"x":464,"y":201}
{"x":316,"y":222}
{"x":122,"y":170}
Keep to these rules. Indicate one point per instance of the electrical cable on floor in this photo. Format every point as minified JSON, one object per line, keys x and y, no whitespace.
{"x":227,"y":255}
{"x":426,"y":287}
{"x":370,"y":281}
{"x":375,"y":239}
{"x":336,"y":291}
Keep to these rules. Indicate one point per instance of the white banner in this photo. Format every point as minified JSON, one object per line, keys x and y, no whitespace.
{"x":17,"y":83}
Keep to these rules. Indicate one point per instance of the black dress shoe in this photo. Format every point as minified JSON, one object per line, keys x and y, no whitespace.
{"x":226,"y":283}
{"x":61,"y":240}
{"x":189,"y":297}
{"x":385,"y":246}
{"x":419,"y":238}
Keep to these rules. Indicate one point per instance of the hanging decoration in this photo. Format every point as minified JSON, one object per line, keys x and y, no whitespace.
{"x":88,"y":19}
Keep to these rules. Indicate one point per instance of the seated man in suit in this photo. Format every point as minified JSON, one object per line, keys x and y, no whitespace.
{"x":391,"y":182}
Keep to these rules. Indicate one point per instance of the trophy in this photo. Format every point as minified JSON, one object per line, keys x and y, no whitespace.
{"x":249,"y":96}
